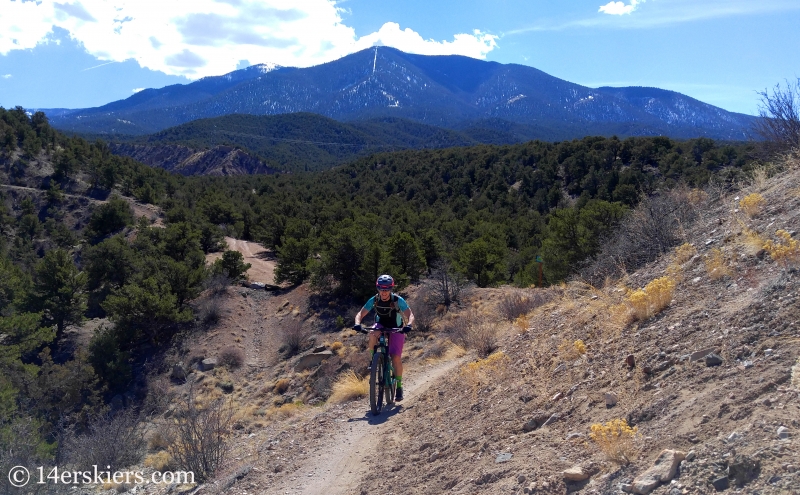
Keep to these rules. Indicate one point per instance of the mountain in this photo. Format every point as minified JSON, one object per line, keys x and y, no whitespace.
{"x":445,"y":91}
{"x":219,"y":160}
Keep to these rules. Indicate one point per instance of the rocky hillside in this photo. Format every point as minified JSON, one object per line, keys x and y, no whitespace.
{"x":507,"y":392}
{"x":218,"y":160}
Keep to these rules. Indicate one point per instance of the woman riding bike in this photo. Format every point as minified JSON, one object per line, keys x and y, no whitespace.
{"x":391,"y":311}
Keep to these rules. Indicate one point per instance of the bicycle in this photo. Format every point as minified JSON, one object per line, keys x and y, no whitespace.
{"x":382,"y":383}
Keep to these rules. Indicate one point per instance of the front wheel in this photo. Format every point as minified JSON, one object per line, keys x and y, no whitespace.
{"x":391,"y":384}
{"x":376,"y":384}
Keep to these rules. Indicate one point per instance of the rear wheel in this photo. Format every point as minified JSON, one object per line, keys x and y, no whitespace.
{"x":376,"y":385}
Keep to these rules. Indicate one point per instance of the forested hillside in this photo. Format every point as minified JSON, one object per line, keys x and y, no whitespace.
{"x":81,"y":238}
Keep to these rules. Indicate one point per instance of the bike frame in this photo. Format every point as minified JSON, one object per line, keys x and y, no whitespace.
{"x":382,"y":386}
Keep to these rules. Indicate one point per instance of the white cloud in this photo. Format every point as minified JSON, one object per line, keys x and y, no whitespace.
{"x":136,"y":90}
{"x":6,"y":76}
{"x":475,"y":45}
{"x":619,"y":8}
{"x":197,"y":38}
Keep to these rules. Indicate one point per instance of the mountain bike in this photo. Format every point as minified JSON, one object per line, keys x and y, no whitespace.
{"x":382,"y":383}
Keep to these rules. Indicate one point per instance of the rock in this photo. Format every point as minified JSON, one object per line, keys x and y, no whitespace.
{"x":720,"y":484}
{"x":783,"y":432}
{"x":630,"y":361}
{"x":552,"y":419}
{"x":733,"y":437}
{"x":178,"y":372}
{"x":320,"y":348}
{"x":521,"y":478}
{"x":713,"y":360}
{"x":768,"y":352}
{"x":698,"y":355}
{"x":743,"y":469}
{"x":556,"y":397}
{"x":257,"y":285}
{"x":312,"y":360}
{"x":661,"y":471}
{"x":575,"y":434}
{"x":626,"y":487}
{"x":207,"y":364}
{"x":538,"y":419}
{"x":575,"y":473}
{"x":691,"y":455}
{"x":504,"y":457}
{"x":611,"y":399}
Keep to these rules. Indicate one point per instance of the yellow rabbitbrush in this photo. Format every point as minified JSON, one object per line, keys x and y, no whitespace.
{"x":615,"y":439}
{"x":786,"y":251}
{"x":647,"y":302}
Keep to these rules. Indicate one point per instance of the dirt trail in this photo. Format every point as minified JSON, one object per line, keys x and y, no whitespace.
{"x":346,"y":454}
{"x":262,"y":263}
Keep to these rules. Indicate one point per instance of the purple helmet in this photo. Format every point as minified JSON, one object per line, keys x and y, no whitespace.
{"x":384,"y":282}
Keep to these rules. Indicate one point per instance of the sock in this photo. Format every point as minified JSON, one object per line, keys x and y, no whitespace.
{"x":371,"y":353}
{"x":399,"y":381}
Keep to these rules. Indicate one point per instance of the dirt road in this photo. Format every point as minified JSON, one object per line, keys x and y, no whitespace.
{"x":262,"y":262}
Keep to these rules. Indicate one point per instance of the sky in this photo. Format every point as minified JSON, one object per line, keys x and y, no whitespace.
{"x":85,"y":53}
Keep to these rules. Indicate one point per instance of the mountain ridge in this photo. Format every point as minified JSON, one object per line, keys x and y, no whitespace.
{"x":444,"y":90}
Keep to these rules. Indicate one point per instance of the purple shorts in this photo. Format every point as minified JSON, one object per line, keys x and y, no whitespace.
{"x":396,"y":341}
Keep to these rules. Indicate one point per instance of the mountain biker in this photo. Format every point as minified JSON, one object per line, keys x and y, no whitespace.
{"x":390,"y":312}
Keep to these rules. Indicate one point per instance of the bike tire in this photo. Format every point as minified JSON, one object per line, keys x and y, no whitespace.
{"x":376,"y":385}
{"x":389,"y":380}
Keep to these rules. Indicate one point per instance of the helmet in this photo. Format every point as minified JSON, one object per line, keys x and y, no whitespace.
{"x":385,"y":282}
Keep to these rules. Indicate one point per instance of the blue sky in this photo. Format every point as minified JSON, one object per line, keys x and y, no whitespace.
{"x":83,"y":53}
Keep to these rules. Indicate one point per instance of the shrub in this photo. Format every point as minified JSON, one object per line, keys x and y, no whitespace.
{"x":786,"y":250}
{"x":796,"y":375}
{"x":210,"y":312}
{"x":615,"y":439}
{"x":217,"y":283}
{"x":516,"y":304}
{"x":110,"y":439}
{"x":349,"y":386}
{"x":198,"y":436}
{"x":716,"y":266}
{"x":684,"y":253}
{"x":570,"y":351}
{"x":647,"y":302}
{"x":231,"y":356}
{"x":473,"y":332}
{"x":231,"y":265}
{"x":293,"y":336}
{"x":752,"y":204}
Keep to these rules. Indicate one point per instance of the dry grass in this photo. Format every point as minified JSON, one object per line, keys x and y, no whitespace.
{"x":160,"y":461}
{"x":752,"y":204}
{"x":282,"y":385}
{"x":716,"y":264}
{"x":348,"y":386}
{"x":284,"y":411}
{"x":485,"y":371}
{"x":616,"y":440}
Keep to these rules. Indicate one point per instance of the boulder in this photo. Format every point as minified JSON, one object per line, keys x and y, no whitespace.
{"x":575,"y":473}
{"x":312,"y":360}
{"x":207,"y":364}
{"x":743,"y":469}
{"x":663,"y":470}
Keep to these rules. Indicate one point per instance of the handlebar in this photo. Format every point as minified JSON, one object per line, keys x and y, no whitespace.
{"x":384,"y":329}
